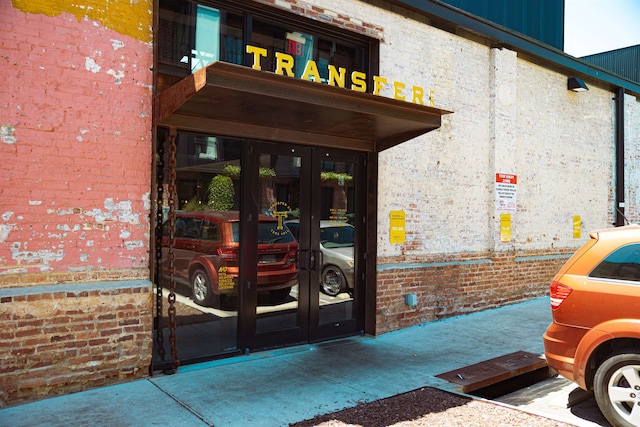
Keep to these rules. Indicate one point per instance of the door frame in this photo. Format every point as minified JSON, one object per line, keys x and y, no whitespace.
{"x":308,"y":328}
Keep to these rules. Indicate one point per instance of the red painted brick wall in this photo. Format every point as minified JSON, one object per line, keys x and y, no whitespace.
{"x":75,"y":111}
{"x":75,"y":147}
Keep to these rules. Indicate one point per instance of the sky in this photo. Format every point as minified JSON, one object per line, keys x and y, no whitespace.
{"x":594,"y":26}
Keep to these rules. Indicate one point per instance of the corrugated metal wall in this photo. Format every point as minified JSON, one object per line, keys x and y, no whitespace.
{"x":624,"y":62}
{"x":540,"y":19}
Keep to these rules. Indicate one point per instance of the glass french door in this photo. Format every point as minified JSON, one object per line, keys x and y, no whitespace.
{"x":302,"y":276}
{"x":264,"y":248}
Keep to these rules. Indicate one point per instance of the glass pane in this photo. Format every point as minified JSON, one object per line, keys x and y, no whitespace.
{"x":174,"y":32}
{"x":622,"y":264}
{"x":207,"y":37}
{"x":192,"y":36}
{"x":339,"y":55}
{"x":303,"y":47}
{"x":232,"y":38}
{"x":205,"y":246}
{"x":337,"y":244}
{"x":279,"y":196}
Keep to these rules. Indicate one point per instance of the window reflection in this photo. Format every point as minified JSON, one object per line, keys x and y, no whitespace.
{"x":192,"y":36}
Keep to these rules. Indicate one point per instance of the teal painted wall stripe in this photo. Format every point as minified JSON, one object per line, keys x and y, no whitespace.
{"x":542,"y":257}
{"x":384,"y":267}
{"x":74,"y":288}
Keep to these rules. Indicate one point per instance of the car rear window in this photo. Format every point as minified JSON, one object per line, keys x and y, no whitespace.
{"x":185,"y":227}
{"x":268,"y":233}
{"x":335,"y":237}
{"x":621,"y":264}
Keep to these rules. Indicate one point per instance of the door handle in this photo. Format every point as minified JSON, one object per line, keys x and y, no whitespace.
{"x":310,"y":260}
{"x":312,"y":264}
{"x":316,"y":260}
{"x":304,"y":259}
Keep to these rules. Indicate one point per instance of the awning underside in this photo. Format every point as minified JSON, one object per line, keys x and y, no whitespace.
{"x":231,"y":100}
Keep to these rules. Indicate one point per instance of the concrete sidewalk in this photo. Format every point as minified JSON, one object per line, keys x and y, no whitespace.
{"x":275,"y":388}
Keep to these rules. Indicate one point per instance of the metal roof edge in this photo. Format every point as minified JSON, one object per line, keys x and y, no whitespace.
{"x":531,"y":49}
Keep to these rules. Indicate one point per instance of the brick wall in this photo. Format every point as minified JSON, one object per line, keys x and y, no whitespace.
{"x":509,"y":116}
{"x":75,"y":117}
{"x":56,"y":339}
{"x":460,"y":284}
{"x":75,"y":144}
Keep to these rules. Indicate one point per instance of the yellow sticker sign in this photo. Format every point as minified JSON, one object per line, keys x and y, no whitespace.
{"x":505,"y":227}
{"x":397,"y":224}
{"x":224,"y":280}
{"x":577,"y":226}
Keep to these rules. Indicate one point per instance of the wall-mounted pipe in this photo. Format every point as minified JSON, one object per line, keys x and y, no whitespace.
{"x":619,"y":123}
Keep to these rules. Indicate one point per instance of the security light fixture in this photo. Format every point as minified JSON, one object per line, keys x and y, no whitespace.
{"x":576,"y":85}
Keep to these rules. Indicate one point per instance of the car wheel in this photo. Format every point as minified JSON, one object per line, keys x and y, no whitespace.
{"x":617,"y":389}
{"x":201,"y":289}
{"x":332,"y":281}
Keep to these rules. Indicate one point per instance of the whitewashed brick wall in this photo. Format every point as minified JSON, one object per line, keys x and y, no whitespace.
{"x":632,"y":158}
{"x":510,"y":116}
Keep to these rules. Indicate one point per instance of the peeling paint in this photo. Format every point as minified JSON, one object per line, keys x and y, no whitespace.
{"x":35,"y":202}
{"x":60,"y":212}
{"x":146,"y":200}
{"x":133,"y":18}
{"x":117,"y":44}
{"x":7,"y":134}
{"x":119,"y":75}
{"x":123,"y":210}
{"x":7,"y":215}
{"x":14,"y":270}
{"x":124,"y":234}
{"x":91,"y":65}
{"x":43,"y":256}
{"x":5,"y":229}
{"x":134,"y":244}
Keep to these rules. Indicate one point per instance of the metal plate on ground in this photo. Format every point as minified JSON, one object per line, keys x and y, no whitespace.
{"x":492,"y":371}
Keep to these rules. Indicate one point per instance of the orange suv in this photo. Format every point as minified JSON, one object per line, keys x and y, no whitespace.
{"x":594,"y":339}
{"x":206,"y":255}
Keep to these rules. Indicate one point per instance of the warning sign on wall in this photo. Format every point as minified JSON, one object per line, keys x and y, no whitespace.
{"x":397,"y":226}
{"x":506,"y":191}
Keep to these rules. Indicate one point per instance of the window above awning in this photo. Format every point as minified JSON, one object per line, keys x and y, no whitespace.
{"x":232,"y":100}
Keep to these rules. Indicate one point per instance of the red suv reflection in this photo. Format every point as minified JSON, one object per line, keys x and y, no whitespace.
{"x":206,"y":255}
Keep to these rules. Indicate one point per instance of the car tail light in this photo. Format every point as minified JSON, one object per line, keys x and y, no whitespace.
{"x":558,"y":293}
{"x":291,"y":256}
{"x":228,"y":253}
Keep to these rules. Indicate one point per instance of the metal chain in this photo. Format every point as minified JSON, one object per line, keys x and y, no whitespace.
{"x":171,"y":255}
{"x":158,"y":248}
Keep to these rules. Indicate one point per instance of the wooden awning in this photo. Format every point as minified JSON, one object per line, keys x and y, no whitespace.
{"x":232,"y":100}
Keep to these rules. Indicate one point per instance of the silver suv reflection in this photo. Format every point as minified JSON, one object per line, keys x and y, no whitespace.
{"x":336,"y":245}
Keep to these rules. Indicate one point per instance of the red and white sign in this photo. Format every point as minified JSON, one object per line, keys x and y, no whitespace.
{"x":506,"y":191}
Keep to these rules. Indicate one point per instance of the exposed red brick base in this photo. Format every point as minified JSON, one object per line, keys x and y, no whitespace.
{"x":65,"y":338}
{"x":456,"y":284}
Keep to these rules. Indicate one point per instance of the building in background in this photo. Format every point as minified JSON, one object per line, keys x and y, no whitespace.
{"x":542,"y":20}
{"x":623,"y":62}
{"x":431,"y":163}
